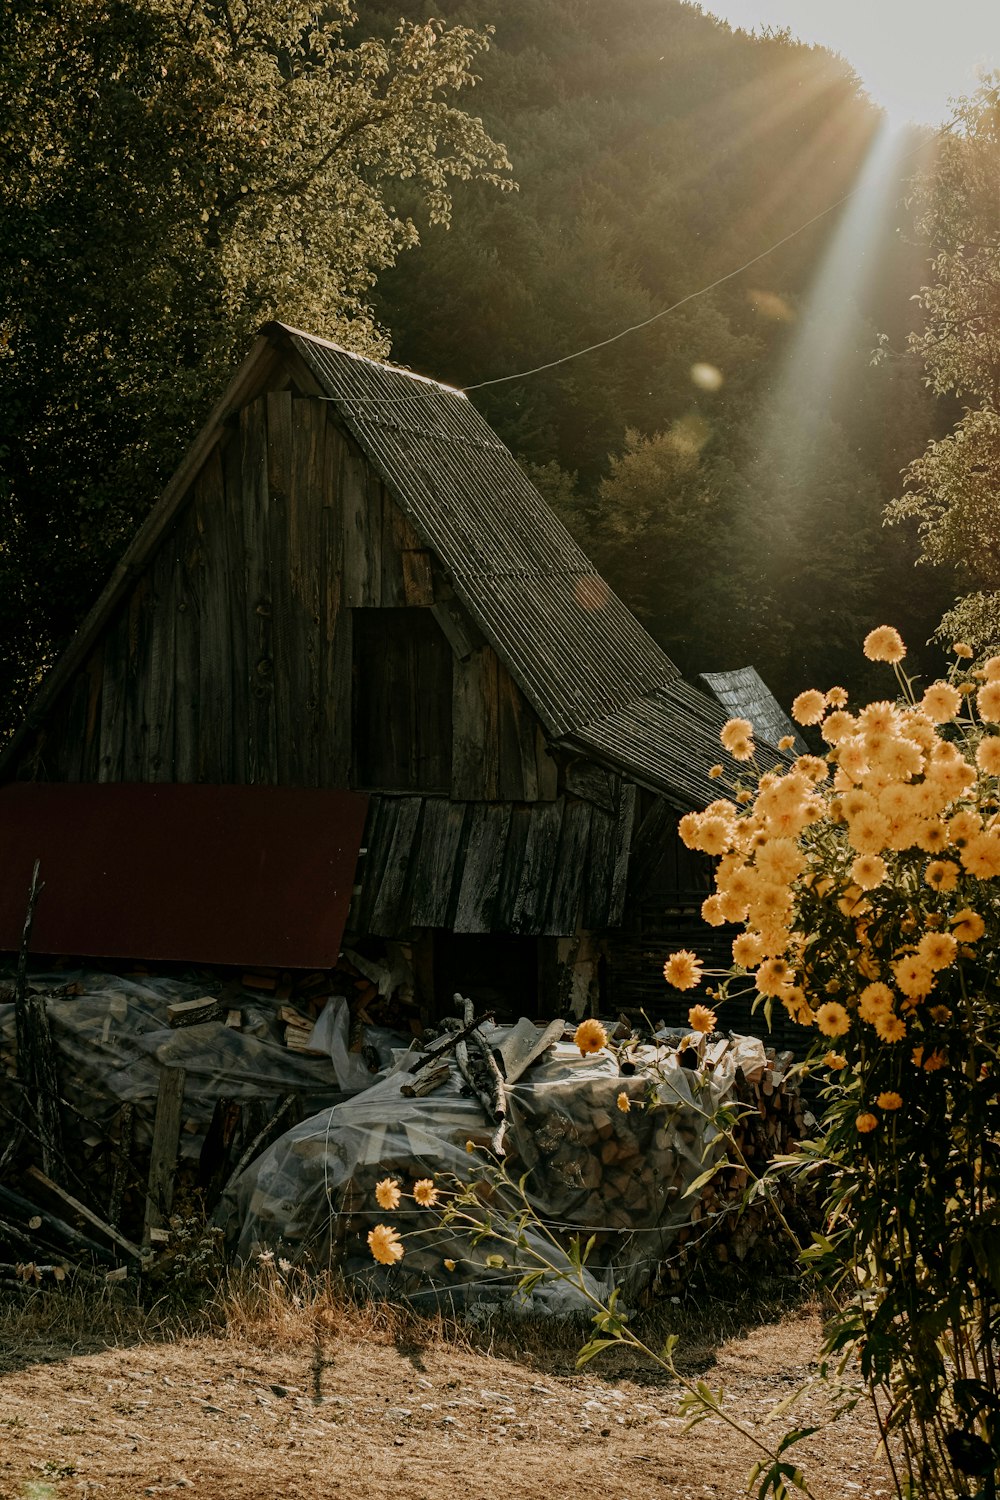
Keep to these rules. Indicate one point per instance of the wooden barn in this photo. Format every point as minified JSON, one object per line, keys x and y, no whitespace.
{"x":353,"y":682}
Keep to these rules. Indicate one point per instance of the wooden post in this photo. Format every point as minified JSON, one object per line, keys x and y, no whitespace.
{"x":126,"y":1132}
{"x":163,"y":1155}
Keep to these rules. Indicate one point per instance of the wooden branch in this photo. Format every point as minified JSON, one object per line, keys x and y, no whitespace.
{"x":443,"y":1044}
{"x":493,"y":1100}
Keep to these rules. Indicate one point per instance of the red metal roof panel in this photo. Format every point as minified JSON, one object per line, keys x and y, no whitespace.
{"x":249,"y":875}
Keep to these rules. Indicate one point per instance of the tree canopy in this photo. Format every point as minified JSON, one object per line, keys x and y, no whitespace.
{"x":174,"y":173}
{"x":952,"y":488}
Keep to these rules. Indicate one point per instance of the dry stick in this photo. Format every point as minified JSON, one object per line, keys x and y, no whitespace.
{"x":443,"y":1045}
{"x":86,"y":1213}
{"x":495,"y":1103}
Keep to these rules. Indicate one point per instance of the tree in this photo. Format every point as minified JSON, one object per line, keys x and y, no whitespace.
{"x":952,"y":488}
{"x":174,"y":173}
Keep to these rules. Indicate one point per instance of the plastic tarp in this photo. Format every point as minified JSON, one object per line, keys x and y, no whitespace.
{"x":590,"y":1167}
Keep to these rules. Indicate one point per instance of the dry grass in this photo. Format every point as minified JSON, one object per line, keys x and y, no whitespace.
{"x":265,"y":1305}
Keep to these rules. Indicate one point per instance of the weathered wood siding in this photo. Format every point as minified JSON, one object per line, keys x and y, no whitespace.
{"x":232,"y":660}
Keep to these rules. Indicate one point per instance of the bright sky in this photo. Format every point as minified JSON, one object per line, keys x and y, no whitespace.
{"x":911,"y":55}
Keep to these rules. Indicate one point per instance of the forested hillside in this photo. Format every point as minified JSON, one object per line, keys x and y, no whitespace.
{"x":739,"y":512}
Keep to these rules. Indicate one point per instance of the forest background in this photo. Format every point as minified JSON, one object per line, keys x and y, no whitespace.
{"x":727,"y":467}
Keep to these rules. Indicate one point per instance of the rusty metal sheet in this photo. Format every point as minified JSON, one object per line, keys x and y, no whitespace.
{"x":247,"y":875}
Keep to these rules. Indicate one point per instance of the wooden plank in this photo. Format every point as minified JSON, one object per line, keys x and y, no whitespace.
{"x":236,"y":570}
{"x":64,"y":757}
{"x":436,"y":861}
{"x":111,"y":753}
{"x":390,"y":915}
{"x":163,"y":1154}
{"x":517,"y":777}
{"x":306,"y":502}
{"x":569,"y":881}
{"x":597,"y":785}
{"x":418,"y":578}
{"x":90,"y":769}
{"x":336,"y":739}
{"x":457,"y":630}
{"x":600,"y":872}
{"x":214,"y":1161}
{"x":160,"y":666}
{"x":488,"y":829}
{"x":505,"y":911}
{"x":648,"y":844}
{"x":287,"y":659}
{"x":475,"y":730}
{"x":380,"y":826}
{"x":187,"y":652}
{"x":259,"y":605}
{"x":215,"y":645}
{"x":623,"y":847}
{"x":396,"y":531}
{"x":532,"y":899}
{"x":361,"y":558}
{"x":548,"y":770}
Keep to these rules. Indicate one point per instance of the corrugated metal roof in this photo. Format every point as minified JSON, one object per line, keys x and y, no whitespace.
{"x":569,"y":642}
{"x":744,"y":694}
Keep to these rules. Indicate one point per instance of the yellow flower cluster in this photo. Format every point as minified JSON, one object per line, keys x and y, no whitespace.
{"x":884,"y":843}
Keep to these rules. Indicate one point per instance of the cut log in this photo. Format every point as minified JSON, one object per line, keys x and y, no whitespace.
{"x":194,"y":1012}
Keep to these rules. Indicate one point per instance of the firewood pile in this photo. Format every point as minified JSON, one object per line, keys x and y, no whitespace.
{"x":608,"y":1147}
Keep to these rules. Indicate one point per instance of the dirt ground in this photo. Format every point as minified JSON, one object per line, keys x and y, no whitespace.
{"x":222,"y":1417}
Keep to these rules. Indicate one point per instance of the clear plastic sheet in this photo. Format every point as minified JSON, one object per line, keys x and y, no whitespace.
{"x":113,"y":1041}
{"x":589,"y":1167}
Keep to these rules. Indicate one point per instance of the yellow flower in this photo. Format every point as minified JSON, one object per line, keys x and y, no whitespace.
{"x":865,"y":1122}
{"x":991,"y":668}
{"x":425,"y":1193}
{"x":835,"y":1060}
{"x":939,"y":1013}
{"x":470,"y":1146}
{"x":787,"y":742}
{"x":884,"y":644}
{"x":682,"y":971}
{"x":868,"y":871}
{"x":981,"y":855}
{"x":748,"y":951}
{"x":715,"y":772}
{"x":941,"y":702}
{"x":384,"y":1244}
{"x":590,"y":1036}
{"x":808,"y":707}
{"x":988,"y":755}
{"x":734,"y":731}
{"x":449,"y":1265}
{"x":387,"y":1193}
{"x":914,"y":976}
{"x":773,"y":977}
{"x":967,"y":925}
{"x":988,"y":701}
{"x":890,"y":1028}
{"x":624,"y":1102}
{"x":875,"y":1000}
{"x":700,"y":1018}
{"x":961,"y":649}
{"x":838,"y":726}
{"x":935,"y":1061}
{"x":889,"y":1100}
{"x":742,"y":750}
{"x":937,"y":949}
{"x":837,"y":697}
{"x":712,"y":911}
{"x":832,"y":1019}
{"x":942,"y":874}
